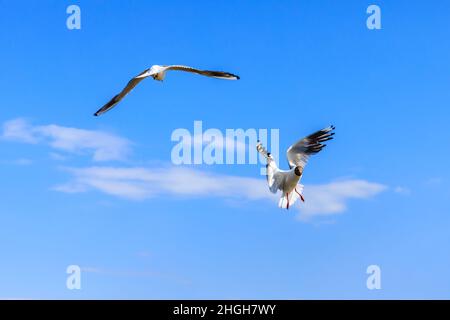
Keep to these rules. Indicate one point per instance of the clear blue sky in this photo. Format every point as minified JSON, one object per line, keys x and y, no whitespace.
{"x":312,"y":63}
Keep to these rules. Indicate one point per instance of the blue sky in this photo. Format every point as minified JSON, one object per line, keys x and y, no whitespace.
{"x":311,"y":63}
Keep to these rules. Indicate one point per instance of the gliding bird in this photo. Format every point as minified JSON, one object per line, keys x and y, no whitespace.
{"x":159,"y":73}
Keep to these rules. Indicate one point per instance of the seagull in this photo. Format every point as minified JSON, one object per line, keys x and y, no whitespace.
{"x":287,"y":181}
{"x":159,"y":73}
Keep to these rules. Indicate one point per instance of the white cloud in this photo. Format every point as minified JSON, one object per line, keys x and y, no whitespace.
{"x":102,"y":145}
{"x":142,"y":183}
{"x":57,"y":156}
{"x":19,"y":130}
{"x":402,"y":190}
{"x":332,"y":198}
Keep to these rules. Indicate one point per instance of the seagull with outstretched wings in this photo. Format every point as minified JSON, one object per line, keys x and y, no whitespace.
{"x":159,"y":73}
{"x":287,"y":181}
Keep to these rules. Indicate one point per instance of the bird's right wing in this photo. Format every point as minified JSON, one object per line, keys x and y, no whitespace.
{"x":275,"y":176}
{"x":116,"y":99}
{"x":208,"y":73}
{"x":298,"y":154}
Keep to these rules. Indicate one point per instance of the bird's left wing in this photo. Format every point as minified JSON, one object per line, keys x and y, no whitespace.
{"x":208,"y":73}
{"x":275,"y":176}
{"x":298,"y":154}
{"x":116,"y":99}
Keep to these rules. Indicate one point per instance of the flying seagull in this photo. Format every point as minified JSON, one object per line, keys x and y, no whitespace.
{"x":287,"y":181}
{"x":159,"y":73}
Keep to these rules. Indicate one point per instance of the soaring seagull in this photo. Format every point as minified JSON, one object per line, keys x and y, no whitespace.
{"x":159,"y":73}
{"x":287,"y":181}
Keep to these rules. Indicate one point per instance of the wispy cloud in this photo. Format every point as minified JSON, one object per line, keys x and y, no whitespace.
{"x":23,"y":162}
{"x":18,"y":162}
{"x":103,"y":146}
{"x":333,"y":197}
{"x":137,"y":274}
{"x":142,"y":183}
{"x":138,"y":183}
{"x":402,"y":190}
{"x":433,"y":182}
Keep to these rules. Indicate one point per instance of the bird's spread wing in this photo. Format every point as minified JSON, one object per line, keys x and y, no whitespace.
{"x":208,"y":73}
{"x":298,"y":153}
{"x":116,"y":99}
{"x":275,"y":177}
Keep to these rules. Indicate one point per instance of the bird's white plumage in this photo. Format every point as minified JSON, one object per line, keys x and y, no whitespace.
{"x":298,"y":154}
{"x":285,"y":181}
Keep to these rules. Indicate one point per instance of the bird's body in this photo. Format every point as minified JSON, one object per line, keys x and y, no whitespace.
{"x":288,"y":181}
{"x":159,"y":73}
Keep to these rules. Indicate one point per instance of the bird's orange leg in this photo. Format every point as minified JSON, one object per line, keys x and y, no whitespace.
{"x":287,"y":198}
{"x":301,"y":196}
